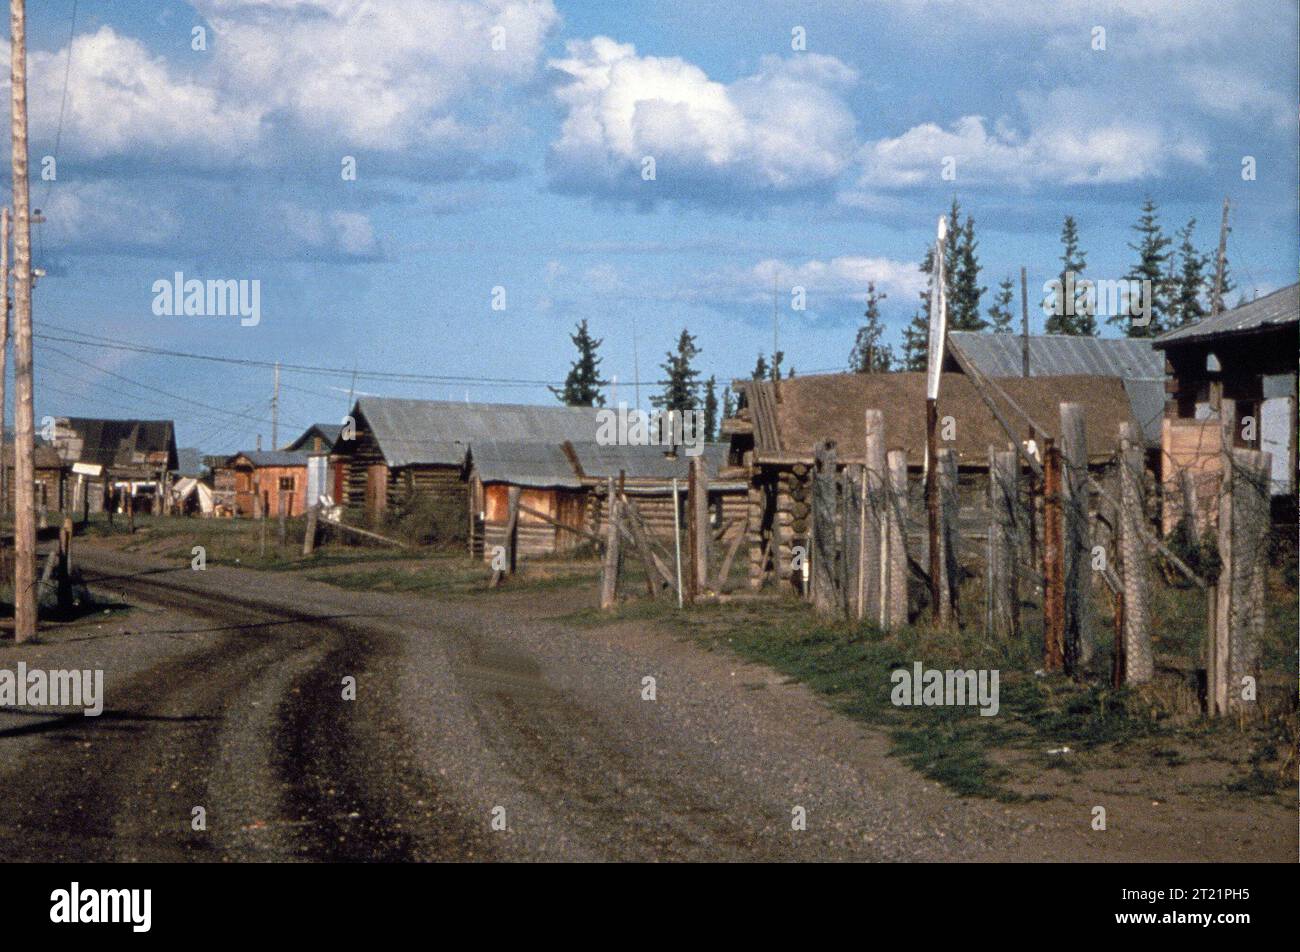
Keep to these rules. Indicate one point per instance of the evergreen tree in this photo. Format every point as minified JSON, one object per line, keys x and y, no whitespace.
{"x":728,"y":405}
{"x":760,"y":368}
{"x":869,"y":354}
{"x":710,"y":410}
{"x":1075,"y":317}
{"x":776,"y":364}
{"x":916,"y":342}
{"x":1150,"y":269}
{"x":1000,"y":314}
{"x":964,"y":290}
{"x":682,"y":386}
{"x":1189,"y":285}
{"x":582,"y":385}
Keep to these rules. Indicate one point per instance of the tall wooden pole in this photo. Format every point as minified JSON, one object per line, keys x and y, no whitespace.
{"x":1216,"y":298}
{"x":4,"y":350}
{"x":24,"y":421}
{"x":275,"y":410}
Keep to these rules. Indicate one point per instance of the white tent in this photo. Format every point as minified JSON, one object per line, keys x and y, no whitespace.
{"x":188,"y":486}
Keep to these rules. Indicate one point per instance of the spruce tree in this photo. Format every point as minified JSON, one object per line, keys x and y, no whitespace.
{"x":1000,"y":314}
{"x":760,"y":368}
{"x":710,"y":410}
{"x":1151,"y":267}
{"x":682,"y":384}
{"x":870,"y":354}
{"x":964,"y":290}
{"x":1185,"y":306}
{"x":728,"y":405}
{"x":1071,"y":317}
{"x":582,"y":385}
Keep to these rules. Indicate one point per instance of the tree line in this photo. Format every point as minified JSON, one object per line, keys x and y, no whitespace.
{"x":1180,"y":276}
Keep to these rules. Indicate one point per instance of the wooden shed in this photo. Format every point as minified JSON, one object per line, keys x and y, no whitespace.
{"x":277,"y":477}
{"x":402,"y":448}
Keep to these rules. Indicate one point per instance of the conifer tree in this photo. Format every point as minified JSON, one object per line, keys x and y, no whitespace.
{"x":582,"y":385}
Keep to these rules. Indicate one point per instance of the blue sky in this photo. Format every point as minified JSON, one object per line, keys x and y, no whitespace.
{"x":520,"y":167}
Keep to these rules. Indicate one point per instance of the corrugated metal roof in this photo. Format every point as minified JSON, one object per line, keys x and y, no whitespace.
{"x":328,"y":431}
{"x":524,"y":464}
{"x":1280,"y":307}
{"x":437,"y":432}
{"x":1057,"y":355}
{"x":645,"y":462}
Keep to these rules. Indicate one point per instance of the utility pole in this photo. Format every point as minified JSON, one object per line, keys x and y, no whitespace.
{"x":1024,"y":319}
{"x":4,"y":351}
{"x":275,"y":410}
{"x":24,"y":417}
{"x":1216,"y":299}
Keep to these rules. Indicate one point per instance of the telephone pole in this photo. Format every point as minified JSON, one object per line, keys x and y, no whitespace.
{"x":4,"y":350}
{"x":1216,"y":299}
{"x":24,"y":421}
{"x":275,"y":410}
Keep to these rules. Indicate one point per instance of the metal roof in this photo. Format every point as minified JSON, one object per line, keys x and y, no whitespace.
{"x":524,"y":464}
{"x":1057,"y":355}
{"x":189,"y":461}
{"x":438,"y":432}
{"x":329,"y":433}
{"x":1276,"y":309}
{"x":645,"y":462}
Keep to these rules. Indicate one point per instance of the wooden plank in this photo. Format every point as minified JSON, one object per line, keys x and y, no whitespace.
{"x":895,"y":597}
{"x":1053,"y":567}
{"x":610,"y":566}
{"x":949,"y":558}
{"x":1074,"y":536}
{"x":872,"y":540}
{"x":697,"y":532}
{"x":1138,"y":662}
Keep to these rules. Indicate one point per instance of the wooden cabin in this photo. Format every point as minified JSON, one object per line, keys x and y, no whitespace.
{"x":404,"y":448}
{"x":1246,"y":355}
{"x":116,"y":458}
{"x":53,"y":487}
{"x":277,"y":477}
{"x":773,"y":439}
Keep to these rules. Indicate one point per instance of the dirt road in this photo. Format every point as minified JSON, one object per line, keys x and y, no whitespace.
{"x":229,"y":694}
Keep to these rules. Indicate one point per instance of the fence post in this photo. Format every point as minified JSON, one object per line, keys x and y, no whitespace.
{"x":896,"y":503}
{"x":698,"y":535}
{"x":1138,"y":665}
{"x":853,"y":557}
{"x":609,"y":569}
{"x":874,"y":524}
{"x":309,"y":534}
{"x":824,"y":596}
{"x":1243,"y":576}
{"x":1002,"y":585}
{"x":1053,"y":567}
{"x":948,"y":536}
{"x":1074,"y":512}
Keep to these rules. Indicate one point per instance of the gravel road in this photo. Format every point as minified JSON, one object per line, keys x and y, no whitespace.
{"x":466,"y":712}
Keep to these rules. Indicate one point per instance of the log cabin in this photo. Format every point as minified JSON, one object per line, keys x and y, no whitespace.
{"x":1246,"y":355}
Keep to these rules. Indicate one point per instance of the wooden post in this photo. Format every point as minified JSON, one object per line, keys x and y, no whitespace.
{"x":284,"y":525}
{"x":677,"y":541}
{"x":949,"y":566}
{"x":4,"y":350}
{"x":850,"y":524}
{"x":1074,"y":535}
{"x":1243,"y":576}
{"x":65,"y":565}
{"x":513,"y":495}
{"x":1024,"y":320}
{"x":609,"y":570}
{"x":25,"y":609}
{"x":309,"y":534}
{"x":895,"y":598}
{"x":873,"y":533}
{"x":932,"y":510}
{"x":697,"y":527}
{"x":825,"y":598}
{"x":1220,"y":634}
{"x":1053,"y":567}
{"x":260,"y":516}
{"x":1138,"y":664}
{"x":1003,"y":590}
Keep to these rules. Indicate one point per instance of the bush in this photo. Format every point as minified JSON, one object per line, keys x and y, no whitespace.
{"x":429,"y":519}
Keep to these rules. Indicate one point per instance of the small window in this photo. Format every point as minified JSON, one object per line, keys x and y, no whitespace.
{"x":286,"y":484}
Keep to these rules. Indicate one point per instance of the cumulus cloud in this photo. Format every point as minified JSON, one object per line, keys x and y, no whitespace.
{"x":784,"y":128}
{"x":1067,"y":144}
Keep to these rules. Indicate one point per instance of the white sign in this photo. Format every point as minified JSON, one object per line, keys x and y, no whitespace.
{"x":87,"y":469}
{"x":938,"y":316}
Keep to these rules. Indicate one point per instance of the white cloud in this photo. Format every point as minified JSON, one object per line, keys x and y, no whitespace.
{"x":785,"y":127}
{"x":1068,"y":144}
